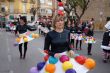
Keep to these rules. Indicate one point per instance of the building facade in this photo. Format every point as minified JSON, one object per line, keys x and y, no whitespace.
{"x":17,"y":7}
{"x":99,"y":10}
{"x":45,"y":8}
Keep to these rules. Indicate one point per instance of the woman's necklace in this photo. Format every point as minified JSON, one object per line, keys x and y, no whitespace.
{"x":60,"y":35}
{"x":60,"y":32}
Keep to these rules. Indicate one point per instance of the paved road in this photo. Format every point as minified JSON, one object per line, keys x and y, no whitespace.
{"x":10,"y":62}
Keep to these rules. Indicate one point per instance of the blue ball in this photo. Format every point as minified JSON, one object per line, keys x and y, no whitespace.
{"x":70,"y":71}
{"x":53,"y":60}
{"x":30,"y":35}
{"x":40,"y":65}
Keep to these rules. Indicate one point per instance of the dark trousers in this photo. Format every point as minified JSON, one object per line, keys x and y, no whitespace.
{"x":89,"y":48}
{"x":72,"y":42}
{"x":25,"y":49}
{"x":77,"y":41}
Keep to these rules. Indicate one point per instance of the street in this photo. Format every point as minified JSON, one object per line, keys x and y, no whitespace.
{"x":10,"y":62}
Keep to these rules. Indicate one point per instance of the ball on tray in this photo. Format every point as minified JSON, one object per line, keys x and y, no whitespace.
{"x":40,"y":65}
{"x":64,"y":58}
{"x":67,"y":65}
{"x":90,"y":63}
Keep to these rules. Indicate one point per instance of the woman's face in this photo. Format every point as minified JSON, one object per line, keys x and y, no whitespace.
{"x":22,"y":22}
{"x":59,"y":24}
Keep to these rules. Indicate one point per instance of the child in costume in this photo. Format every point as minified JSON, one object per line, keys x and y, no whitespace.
{"x":106,"y":43}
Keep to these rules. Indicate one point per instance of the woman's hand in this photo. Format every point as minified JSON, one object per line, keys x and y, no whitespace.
{"x":71,"y":53}
{"x":57,"y":55}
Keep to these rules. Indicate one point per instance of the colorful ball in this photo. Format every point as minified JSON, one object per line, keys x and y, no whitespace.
{"x":53,"y":60}
{"x":90,"y":63}
{"x":40,"y":65}
{"x":50,"y":68}
{"x":33,"y":70}
{"x":46,"y":57}
{"x":35,"y":35}
{"x":61,"y":8}
{"x":25,"y":39}
{"x":67,"y":65}
{"x":70,"y":71}
{"x":18,"y":40}
{"x":30,"y":35}
{"x":60,"y":12}
{"x":60,"y":3}
{"x":64,"y":58}
{"x":80,"y":59}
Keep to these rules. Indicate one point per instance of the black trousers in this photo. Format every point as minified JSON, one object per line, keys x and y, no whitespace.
{"x":89,"y":48}
{"x":72,"y":42}
{"x":78,"y":41}
{"x":25,"y":49}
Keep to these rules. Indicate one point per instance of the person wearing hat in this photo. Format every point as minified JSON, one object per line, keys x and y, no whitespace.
{"x":20,"y":29}
{"x":106,"y":43}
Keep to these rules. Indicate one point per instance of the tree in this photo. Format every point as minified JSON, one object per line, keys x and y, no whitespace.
{"x":78,"y":7}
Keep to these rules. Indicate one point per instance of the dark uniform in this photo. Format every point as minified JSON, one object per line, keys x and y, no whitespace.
{"x":59,"y":42}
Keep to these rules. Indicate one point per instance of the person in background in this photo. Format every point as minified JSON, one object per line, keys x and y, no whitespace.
{"x":58,"y":39}
{"x":68,"y":25}
{"x":106,"y":43}
{"x":78,"y":41}
{"x":20,"y":29}
{"x":90,"y":33}
{"x":72,"y":32}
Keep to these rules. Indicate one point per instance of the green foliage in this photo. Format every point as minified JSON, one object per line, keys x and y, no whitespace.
{"x":74,"y":5}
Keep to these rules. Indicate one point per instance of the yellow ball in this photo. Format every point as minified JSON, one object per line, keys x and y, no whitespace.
{"x":25,"y":39}
{"x":18,"y":40}
{"x":67,"y":65}
{"x":90,"y":63}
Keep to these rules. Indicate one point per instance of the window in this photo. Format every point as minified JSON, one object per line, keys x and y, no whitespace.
{"x":11,"y":8}
{"x":42,"y":1}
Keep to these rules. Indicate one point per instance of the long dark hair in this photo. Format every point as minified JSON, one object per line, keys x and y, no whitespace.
{"x":24,"y":19}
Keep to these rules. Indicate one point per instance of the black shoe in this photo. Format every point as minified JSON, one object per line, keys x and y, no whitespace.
{"x":89,"y":53}
{"x":20,"y":57}
{"x":104,"y":60}
{"x":24,"y":57}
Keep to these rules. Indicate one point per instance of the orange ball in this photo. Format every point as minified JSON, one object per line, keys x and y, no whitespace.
{"x":18,"y":40}
{"x":90,"y":63}
{"x":35,"y":35}
{"x":25,"y":39}
{"x":50,"y":68}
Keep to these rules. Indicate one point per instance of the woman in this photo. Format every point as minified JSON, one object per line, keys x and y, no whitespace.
{"x":58,"y":39}
{"x":20,"y":29}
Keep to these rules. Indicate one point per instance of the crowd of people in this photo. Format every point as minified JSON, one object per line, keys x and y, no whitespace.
{"x":83,"y":28}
